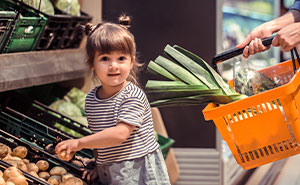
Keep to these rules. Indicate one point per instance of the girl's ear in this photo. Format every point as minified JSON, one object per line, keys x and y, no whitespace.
{"x":132,"y":62}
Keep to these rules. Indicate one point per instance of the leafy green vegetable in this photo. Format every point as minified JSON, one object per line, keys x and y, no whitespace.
{"x":192,"y":66}
{"x":66,"y":108}
{"x":225,"y":87}
{"x":155,"y":68}
{"x":44,"y":6}
{"x":77,"y":97}
{"x":178,"y":71}
{"x":193,"y":81}
{"x":71,"y":7}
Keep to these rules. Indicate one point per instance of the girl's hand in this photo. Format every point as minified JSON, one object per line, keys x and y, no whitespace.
{"x":91,"y":175}
{"x":68,"y":147}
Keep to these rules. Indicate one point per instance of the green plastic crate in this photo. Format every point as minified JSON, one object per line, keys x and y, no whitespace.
{"x":165,"y":144}
{"x":32,"y":131}
{"x":7,"y":20}
{"x":27,"y":30}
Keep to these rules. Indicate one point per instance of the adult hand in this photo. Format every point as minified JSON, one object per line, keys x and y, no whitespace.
{"x":253,"y":43}
{"x":288,"y":37}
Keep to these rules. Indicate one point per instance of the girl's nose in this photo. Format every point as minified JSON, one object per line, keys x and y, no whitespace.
{"x":113,"y":65}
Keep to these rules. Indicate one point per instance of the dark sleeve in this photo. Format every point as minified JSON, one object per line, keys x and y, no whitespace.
{"x":296,"y":5}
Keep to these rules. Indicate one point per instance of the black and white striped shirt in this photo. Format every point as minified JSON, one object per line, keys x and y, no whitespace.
{"x":130,"y":106}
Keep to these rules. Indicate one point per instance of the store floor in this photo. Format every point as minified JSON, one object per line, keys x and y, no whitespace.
{"x":282,"y":172}
{"x":290,"y":173}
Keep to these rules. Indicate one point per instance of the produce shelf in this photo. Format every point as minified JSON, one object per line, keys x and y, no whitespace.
{"x":25,"y":69}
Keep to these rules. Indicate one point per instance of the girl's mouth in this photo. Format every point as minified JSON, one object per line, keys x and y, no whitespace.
{"x":113,"y":75}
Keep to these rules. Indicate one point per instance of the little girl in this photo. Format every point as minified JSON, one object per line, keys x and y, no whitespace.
{"x":118,"y":113}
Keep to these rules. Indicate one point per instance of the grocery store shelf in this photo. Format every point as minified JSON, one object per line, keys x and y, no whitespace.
{"x":247,"y":13}
{"x":25,"y":69}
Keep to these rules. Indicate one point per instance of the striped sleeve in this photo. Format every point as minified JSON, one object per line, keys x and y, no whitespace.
{"x":132,"y":111}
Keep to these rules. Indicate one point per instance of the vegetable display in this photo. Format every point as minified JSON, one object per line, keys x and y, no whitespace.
{"x":54,"y":175}
{"x":189,"y":81}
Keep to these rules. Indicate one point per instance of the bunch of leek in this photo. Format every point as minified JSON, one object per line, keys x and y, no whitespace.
{"x":191,"y":81}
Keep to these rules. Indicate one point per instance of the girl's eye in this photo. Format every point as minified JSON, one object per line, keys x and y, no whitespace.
{"x":104,"y":59}
{"x":122,"y":58}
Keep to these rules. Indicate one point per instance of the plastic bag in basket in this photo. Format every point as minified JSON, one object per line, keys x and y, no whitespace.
{"x":249,"y":81}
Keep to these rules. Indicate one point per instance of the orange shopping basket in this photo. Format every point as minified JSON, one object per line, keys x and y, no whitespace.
{"x":265,"y":127}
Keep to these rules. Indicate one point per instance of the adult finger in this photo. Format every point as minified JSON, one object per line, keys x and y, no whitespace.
{"x":245,"y":42}
{"x":246,"y":52}
{"x":275,"y":41}
{"x":256,"y":45}
{"x":251,"y":48}
{"x":261,"y":47}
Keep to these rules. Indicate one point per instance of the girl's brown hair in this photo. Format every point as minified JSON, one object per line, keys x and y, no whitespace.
{"x":107,"y":37}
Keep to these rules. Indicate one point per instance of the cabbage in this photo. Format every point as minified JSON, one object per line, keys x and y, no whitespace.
{"x":66,"y":108}
{"x":69,"y":6}
{"x":46,"y":5}
{"x":77,"y":97}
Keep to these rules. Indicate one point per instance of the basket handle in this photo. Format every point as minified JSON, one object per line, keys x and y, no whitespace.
{"x":235,"y":52}
{"x":293,"y":58}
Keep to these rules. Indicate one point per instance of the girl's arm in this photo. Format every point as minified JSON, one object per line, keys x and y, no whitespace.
{"x":108,"y":137}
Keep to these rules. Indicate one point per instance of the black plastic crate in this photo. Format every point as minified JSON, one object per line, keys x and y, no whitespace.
{"x":55,"y":32}
{"x":71,"y":34}
{"x":35,"y":154}
{"x":7,"y":23}
{"x":75,"y":32}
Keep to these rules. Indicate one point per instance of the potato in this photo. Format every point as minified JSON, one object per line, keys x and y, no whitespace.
{"x":9,"y":183}
{"x":44,"y":175}
{"x":33,"y":173}
{"x":2,"y":181}
{"x":19,"y":180}
{"x":77,"y":163}
{"x":66,"y":176}
{"x":72,"y":181}
{"x":8,"y":156}
{"x":11,"y":171}
{"x":26,"y":161}
{"x":32,"y":167}
{"x":4,"y":150}
{"x":19,"y":151}
{"x":57,"y":170}
{"x":16,"y":158}
{"x":54,"y":180}
{"x":17,"y":163}
{"x":42,"y":165}
{"x":62,"y":155}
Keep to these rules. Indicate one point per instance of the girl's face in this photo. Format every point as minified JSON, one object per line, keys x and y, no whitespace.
{"x":113,"y":68}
